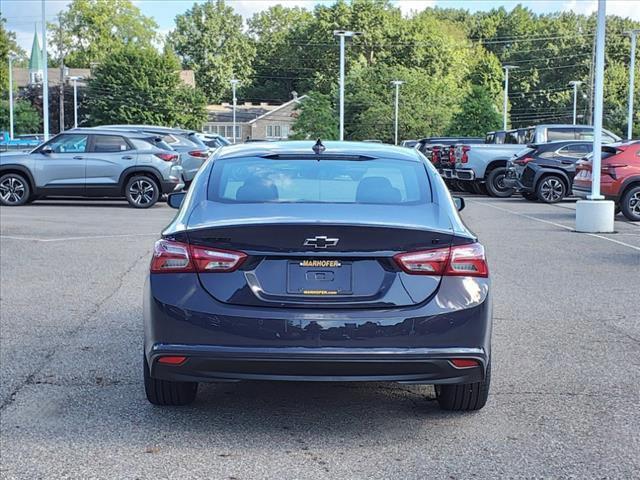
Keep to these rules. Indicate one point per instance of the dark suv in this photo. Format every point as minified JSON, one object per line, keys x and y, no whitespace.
{"x":546,"y":171}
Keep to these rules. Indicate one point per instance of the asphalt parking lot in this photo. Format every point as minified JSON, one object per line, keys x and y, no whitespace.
{"x":563,"y":403}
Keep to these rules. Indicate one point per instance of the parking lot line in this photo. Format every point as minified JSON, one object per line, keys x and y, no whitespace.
{"x":555,"y":224}
{"x":88,"y":237}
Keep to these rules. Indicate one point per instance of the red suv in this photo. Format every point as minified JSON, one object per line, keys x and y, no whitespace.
{"x":620,"y":177}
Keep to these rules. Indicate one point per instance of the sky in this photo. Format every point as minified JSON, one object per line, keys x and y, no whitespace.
{"x":23,"y":16}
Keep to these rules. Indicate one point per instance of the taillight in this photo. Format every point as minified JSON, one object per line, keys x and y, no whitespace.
{"x":172,"y":359}
{"x":167,"y":157}
{"x":464,"y":362}
{"x":465,"y":157}
{"x":610,"y":169}
{"x":172,"y":257}
{"x":462,"y":260}
{"x":523,"y":161}
{"x":214,"y":260}
{"x":199,"y":153}
{"x":435,"y":154}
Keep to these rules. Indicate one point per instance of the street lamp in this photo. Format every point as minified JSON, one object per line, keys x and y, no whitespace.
{"x":11,"y":59}
{"x":234,"y":83}
{"x":45,"y":76}
{"x":506,"y":93}
{"x":75,"y":100}
{"x":342,"y":34}
{"x":632,"y":67}
{"x":575,"y":84}
{"x":396,"y":83}
{"x":595,"y":214}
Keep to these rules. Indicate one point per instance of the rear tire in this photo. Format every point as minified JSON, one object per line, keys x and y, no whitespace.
{"x":531,"y":197}
{"x":495,"y":183}
{"x":465,"y":396}
{"x":551,"y":189}
{"x":630,"y":204}
{"x":14,"y":190}
{"x":166,"y":393}
{"x":142,"y":191}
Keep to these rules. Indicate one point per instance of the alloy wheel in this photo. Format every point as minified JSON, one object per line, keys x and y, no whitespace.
{"x":12,"y":190}
{"x":141,"y":192}
{"x":552,"y":190}
{"x":634,"y":203}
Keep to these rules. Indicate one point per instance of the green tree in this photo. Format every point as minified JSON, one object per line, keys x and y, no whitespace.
{"x":93,"y":29}
{"x":140,"y":85}
{"x":477,"y":116}
{"x":25,"y":118}
{"x":316,"y":118}
{"x":8,"y":46}
{"x":209,"y":39}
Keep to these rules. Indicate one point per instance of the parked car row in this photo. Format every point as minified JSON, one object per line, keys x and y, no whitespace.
{"x":137,"y":162}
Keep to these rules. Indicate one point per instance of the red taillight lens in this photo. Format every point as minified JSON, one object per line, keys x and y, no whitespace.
{"x":214,"y":260}
{"x":464,"y":362}
{"x":169,"y":256}
{"x":468,"y":261}
{"x":435,"y":154}
{"x":172,"y":360}
{"x":172,"y":257}
{"x":465,"y":157}
{"x":461,"y":260}
{"x":199,"y":153}
{"x":523,"y":161}
{"x":428,"y":262}
{"x":167,"y":157}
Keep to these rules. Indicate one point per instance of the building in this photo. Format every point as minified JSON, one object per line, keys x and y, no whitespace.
{"x":253,"y":120}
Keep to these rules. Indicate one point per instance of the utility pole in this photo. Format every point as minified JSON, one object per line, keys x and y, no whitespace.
{"x":591,"y":79}
{"x":596,"y":215}
{"x":575,"y":84}
{"x":234,"y":82}
{"x":75,"y":99}
{"x":45,"y":76}
{"x":632,"y":74}
{"x":506,"y":93}
{"x":396,"y":84}
{"x":342,"y":34}
{"x":11,"y":59}
{"x":62,"y":73}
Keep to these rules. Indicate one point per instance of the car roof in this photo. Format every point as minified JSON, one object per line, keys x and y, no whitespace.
{"x":110,"y":131}
{"x":149,"y":128}
{"x":332,"y":148}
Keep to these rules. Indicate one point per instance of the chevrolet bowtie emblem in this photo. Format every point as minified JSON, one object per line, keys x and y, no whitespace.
{"x":321,"y":242}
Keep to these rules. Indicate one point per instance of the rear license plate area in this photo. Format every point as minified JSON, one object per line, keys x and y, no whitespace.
{"x":319,"y":278}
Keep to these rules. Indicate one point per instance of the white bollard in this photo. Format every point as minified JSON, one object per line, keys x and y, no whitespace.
{"x":595,"y":216}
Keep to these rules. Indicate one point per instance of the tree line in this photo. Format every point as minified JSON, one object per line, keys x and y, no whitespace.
{"x":450,"y":60}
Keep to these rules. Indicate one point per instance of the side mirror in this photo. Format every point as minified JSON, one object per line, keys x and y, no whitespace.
{"x":175,"y":199}
{"x":459,"y":201}
{"x":46,"y":151}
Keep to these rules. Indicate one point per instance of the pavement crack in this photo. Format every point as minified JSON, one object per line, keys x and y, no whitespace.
{"x":30,"y":379}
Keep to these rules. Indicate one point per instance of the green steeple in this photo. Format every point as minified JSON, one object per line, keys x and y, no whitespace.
{"x":35,"y":61}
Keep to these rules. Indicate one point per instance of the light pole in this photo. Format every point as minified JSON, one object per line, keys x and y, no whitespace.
{"x":595,"y":214}
{"x":342,"y":34}
{"x":234,"y":82}
{"x":632,"y":73}
{"x":11,"y":59}
{"x":75,"y":100}
{"x":506,"y":93}
{"x":396,"y":83}
{"x":45,"y":77}
{"x":575,"y":84}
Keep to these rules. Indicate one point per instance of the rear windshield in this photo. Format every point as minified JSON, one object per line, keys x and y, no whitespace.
{"x":386,"y":182}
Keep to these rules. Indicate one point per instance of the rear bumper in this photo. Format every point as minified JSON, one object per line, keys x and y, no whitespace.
{"x":225,"y":342}
{"x":171,"y":185}
{"x":229,"y":364}
{"x":464,"y":174}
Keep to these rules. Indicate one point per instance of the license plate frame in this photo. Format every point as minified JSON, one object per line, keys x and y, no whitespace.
{"x":319,"y":277}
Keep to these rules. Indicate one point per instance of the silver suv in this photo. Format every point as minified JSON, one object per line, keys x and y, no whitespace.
{"x":89,"y":162}
{"x":193,"y":152}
